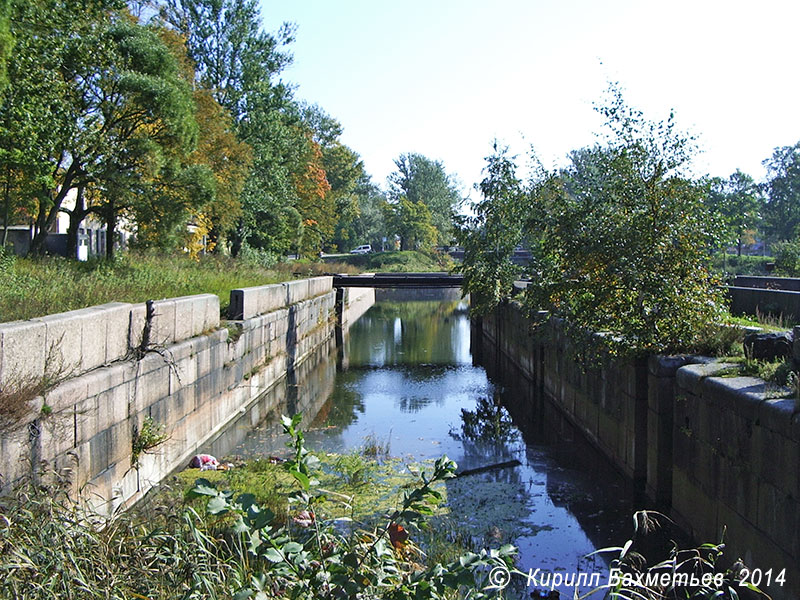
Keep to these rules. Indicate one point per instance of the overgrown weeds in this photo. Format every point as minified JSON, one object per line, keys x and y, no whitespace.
{"x":146,"y":439}
{"x":19,"y":393}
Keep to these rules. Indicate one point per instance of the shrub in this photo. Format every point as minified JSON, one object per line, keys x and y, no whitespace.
{"x":787,"y":258}
{"x":619,"y":239}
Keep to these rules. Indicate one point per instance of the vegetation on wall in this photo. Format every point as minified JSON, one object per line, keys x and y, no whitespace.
{"x":619,"y":238}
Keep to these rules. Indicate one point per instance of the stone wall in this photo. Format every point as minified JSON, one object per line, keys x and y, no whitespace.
{"x":737,"y":466}
{"x":190,"y":375}
{"x":608,"y":403}
{"x":718,"y":453}
{"x":752,"y":300}
{"x":767,"y":283}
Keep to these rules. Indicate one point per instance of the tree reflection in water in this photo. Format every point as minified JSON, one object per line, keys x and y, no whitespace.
{"x":488,"y":427}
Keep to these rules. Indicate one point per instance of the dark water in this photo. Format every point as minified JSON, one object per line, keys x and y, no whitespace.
{"x":411,"y":384}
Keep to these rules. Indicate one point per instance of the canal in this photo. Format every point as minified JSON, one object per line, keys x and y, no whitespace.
{"x":409,"y":382}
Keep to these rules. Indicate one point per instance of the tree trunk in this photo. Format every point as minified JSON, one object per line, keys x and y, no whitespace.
{"x":6,"y":210}
{"x":76,"y":217}
{"x":237,"y":236}
{"x":45,"y":218}
{"x":43,"y":221}
{"x":111,"y":228}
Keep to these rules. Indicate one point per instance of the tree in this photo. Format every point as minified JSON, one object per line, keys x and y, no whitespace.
{"x":233,"y":58}
{"x":143,"y":118}
{"x":619,"y":239}
{"x":238,"y":63}
{"x":491,"y":234}
{"x":314,"y":204}
{"x":349,"y":192}
{"x":230,"y":161}
{"x":625,"y":238}
{"x":104,"y":102}
{"x":782,"y":208}
{"x":420,"y":179}
{"x":218,"y":149}
{"x":412,"y":223}
{"x":37,"y":125}
{"x":738,"y":201}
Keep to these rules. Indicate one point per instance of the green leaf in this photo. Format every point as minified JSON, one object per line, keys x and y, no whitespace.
{"x":272,"y":555}
{"x":302,"y":479}
{"x":292,"y":547}
{"x":202,"y":487}
{"x":217,"y":505}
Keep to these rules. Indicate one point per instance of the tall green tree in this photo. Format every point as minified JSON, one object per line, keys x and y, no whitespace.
{"x":782,"y":208}
{"x":625,"y":238}
{"x":738,"y":200}
{"x":495,"y":227}
{"x":412,"y":223}
{"x":233,"y":57}
{"x":143,"y":122}
{"x":420,"y":179}
{"x":103,"y":101}
{"x":39,"y":118}
{"x":619,"y":238}
{"x":239,"y":64}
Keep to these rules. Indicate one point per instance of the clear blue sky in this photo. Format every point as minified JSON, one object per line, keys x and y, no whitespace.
{"x":445,"y":77}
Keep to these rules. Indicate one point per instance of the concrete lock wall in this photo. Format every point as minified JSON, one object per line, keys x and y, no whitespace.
{"x":717,"y":453}
{"x":607,"y":403}
{"x":752,"y":300}
{"x":737,"y":466}
{"x":191,"y":376}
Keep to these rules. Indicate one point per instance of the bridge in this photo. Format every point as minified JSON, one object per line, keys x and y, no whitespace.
{"x":399,"y":280}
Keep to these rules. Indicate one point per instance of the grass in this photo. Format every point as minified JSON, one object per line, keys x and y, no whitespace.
{"x":34,"y":287}
{"x":732,"y":265}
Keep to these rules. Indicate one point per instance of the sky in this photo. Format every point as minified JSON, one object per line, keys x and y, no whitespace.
{"x":445,"y":78}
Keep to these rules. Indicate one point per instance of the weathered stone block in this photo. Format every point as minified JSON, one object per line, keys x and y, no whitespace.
{"x":63,"y":341}
{"x":56,"y":436}
{"x":150,"y":388}
{"x":67,"y":394}
{"x":319,"y":285}
{"x":778,"y":515}
{"x":117,"y":316}
{"x":296,"y":291}
{"x":185,"y":307}
{"x":14,"y":457}
{"x":212,"y":313}
{"x":777,"y":415}
{"x":120,"y":440}
{"x":742,"y":394}
{"x":22,"y":352}
{"x":137,"y":319}
{"x":112,"y":406}
{"x":249,"y":302}
{"x":86,"y":420}
{"x":769,"y":346}
{"x":162,"y":327}
{"x":183,"y":374}
{"x":691,"y":377}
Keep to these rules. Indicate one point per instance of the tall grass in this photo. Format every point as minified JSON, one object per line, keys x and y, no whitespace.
{"x":49,"y":550}
{"x":34,"y":287}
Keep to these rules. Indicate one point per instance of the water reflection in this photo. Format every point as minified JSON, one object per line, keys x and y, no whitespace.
{"x":411,"y":385}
